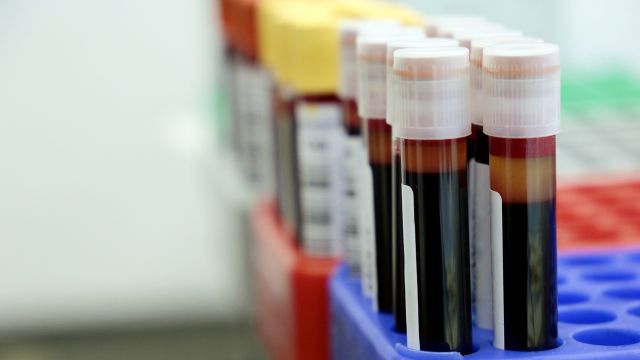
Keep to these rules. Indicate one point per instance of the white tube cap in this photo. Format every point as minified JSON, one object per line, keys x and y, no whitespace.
{"x":372,"y":71}
{"x":436,"y":22}
{"x":432,"y":93}
{"x":521,"y":90}
{"x":450,"y":29}
{"x":349,"y":30}
{"x":404,"y":44}
{"x":466,"y":36}
{"x":475,"y":60}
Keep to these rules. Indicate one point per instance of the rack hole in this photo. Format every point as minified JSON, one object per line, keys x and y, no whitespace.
{"x":586,"y":260}
{"x":586,"y":316}
{"x":635,"y":311}
{"x":608,"y":337}
{"x":561,"y":279}
{"x":625,"y":293}
{"x":635,"y":257}
{"x":609,"y":276}
{"x":571,"y":297}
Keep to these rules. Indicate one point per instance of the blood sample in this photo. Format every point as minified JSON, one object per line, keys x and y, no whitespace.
{"x":480,"y":196}
{"x":521,"y":88}
{"x":433,"y":124}
{"x":372,"y":73}
{"x":347,"y":91}
{"x":317,"y":123}
{"x":397,"y":249}
{"x":274,"y":50}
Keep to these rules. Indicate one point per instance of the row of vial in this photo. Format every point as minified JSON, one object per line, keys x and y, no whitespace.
{"x":432,"y":173}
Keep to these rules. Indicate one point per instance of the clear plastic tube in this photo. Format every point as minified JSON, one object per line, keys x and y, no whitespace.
{"x":397,"y":249}
{"x":354,"y":225}
{"x":479,"y":187}
{"x":433,"y":125}
{"x":521,"y":92}
{"x":372,"y":107}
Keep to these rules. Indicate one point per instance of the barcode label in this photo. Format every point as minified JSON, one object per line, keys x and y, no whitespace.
{"x":320,"y":162}
{"x":316,"y":176}
{"x":351,"y":247}
{"x":254,"y":117}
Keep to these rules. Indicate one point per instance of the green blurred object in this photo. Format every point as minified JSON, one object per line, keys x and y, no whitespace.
{"x":221,"y":113}
{"x":585,"y":92}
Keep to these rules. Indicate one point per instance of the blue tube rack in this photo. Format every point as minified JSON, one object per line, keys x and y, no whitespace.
{"x":598,"y":313}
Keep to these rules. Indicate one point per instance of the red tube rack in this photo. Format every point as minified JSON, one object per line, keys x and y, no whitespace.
{"x":599,"y":214}
{"x":292,"y":296}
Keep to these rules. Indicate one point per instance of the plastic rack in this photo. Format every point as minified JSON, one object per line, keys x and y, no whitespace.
{"x":598,"y":311}
{"x":602,"y":213}
{"x":292,"y":296}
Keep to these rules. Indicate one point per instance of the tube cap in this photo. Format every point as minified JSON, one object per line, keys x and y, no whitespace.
{"x":349,"y":30}
{"x":312,"y":49}
{"x":521,"y":90}
{"x":372,"y":71}
{"x":475,"y":60}
{"x":466,"y":36}
{"x":435,"y":23}
{"x":404,"y":44}
{"x":432,"y":93}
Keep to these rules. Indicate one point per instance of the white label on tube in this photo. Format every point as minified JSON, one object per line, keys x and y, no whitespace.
{"x":362,"y":165}
{"x":369,"y":234}
{"x":261,"y":133}
{"x":498,"y":278}
{"x":254,"y":125}
{"x":471,"y":202}
{"x":351,"y":252}
{"x":250,"y":124}
{"x":320,"y":156}
{"x":410,"y":268}
{"x":482,"y":247}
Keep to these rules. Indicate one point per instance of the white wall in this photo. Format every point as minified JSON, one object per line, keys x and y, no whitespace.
{"x":110,"y":205}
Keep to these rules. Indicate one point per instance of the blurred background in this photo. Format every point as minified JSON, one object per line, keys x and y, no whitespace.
{"x":123,"y":222}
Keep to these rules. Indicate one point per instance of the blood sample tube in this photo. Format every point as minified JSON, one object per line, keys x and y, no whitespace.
{"x":277,"y":42}
{"x":347,"y":92}
{"x":275,"y":51}
{"x":479,"y":205}
{"x":521,"y":88}
{"x":397,"y":249}
{"x":364,"y":177}
{"x":372,"y":73}
{"x":257,"y":113}
{"x":317,"y":119}
{"x":433,"y":124}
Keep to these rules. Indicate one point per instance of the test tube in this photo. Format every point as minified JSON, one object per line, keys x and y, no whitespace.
{"x":347,"y":92}
{"x":372,"y":74}
{"x":521,"y":87}
{"x":397,"y":249}
{"x":275,"y":52}
{"x":480,"y":203}
{"x":432,"y":126}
